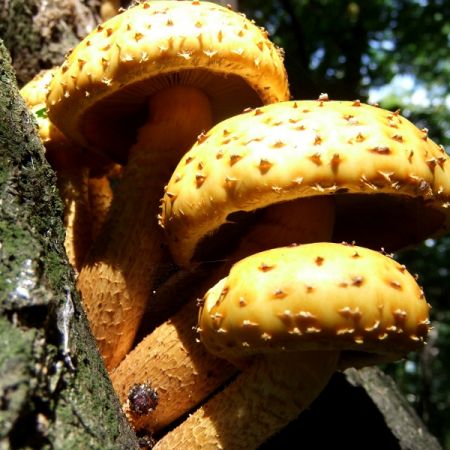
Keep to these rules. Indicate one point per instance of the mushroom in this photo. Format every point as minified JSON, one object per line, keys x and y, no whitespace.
{"x":73,"y":166}
{"x":336,"y":299}
{"x":101,"y":193}
{"x":141,"y":88}
{"x":388,"y":181}
{"x":261,"y":162}
{"x":182,"y":372}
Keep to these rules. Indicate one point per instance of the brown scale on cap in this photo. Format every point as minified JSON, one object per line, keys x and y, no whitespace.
{"x":290,"y":349}
{"x":387,"y":191}
{"x":144,"y":90}
{"x":264,"y":166}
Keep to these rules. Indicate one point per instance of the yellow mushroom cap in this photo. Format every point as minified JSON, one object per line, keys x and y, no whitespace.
{"x":291,"y":150}
{"x":102,"y":87}
{"x":34,"y":93}
{"x":321,"y":296}
{"x":59,"y":151}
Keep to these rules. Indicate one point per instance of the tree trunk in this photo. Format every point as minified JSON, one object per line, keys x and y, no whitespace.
{"x":38,"y":34}
{"x":401,"y":419}
{"x":359,"y":409}
{"x":54,"y":390}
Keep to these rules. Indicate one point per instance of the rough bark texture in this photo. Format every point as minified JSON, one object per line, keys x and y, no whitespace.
{"x":38,"y":33}
{"x":54,"y":390}
{"x":398,"y":414}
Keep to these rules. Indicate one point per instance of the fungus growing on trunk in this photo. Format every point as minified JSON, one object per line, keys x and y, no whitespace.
{"x":288,"y":348}
{"x":141,"y":88}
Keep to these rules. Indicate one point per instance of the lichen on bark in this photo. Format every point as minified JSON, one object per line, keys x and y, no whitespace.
{"x":54,"y":390}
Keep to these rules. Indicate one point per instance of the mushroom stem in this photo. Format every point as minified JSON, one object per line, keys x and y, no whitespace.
{"x":121,"y":268}
{"x":259,"y":403}
{"x":180,"y":370}
{"x":183,"y":372}
{"x":73,"y":188}
{"x":100,"y":198}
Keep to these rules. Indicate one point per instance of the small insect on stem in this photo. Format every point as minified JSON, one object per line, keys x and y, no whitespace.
{"x":142,"y":398}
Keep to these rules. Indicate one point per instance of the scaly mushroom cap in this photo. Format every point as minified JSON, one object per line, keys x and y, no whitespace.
{"x":98,"y":97}
{"x":320,"y":296}
{"x":60,"y":152}
{"x":299,"y":149}
{"x":34,"y":93}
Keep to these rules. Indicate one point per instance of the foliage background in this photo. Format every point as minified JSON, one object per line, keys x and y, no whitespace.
{"x":396,"y":52}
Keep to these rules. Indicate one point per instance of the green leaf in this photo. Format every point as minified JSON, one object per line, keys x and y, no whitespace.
{"x":41,"y":113}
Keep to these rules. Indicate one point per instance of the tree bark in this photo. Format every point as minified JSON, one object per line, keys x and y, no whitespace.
{"x":401,"y":419}
{"x":54,"y":390}
{"x":38,"y":34}
{"x":359,"y":409}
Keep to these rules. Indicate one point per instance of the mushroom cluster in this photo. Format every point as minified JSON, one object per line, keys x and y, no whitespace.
{"x":141,"y":88}
{"x":194,"y":97}
{"x":335,"y":298}
{"x":303,"y":171}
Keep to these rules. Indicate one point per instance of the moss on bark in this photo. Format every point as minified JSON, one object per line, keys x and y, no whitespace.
{"x":54,"y":390}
